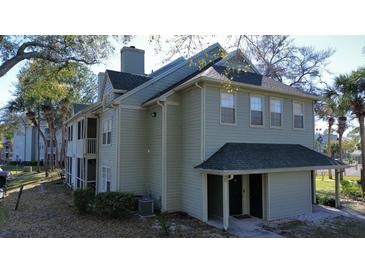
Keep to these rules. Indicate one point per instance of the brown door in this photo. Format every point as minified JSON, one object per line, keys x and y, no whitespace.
{"x":235,"y":195}
{"x":256,"y":195}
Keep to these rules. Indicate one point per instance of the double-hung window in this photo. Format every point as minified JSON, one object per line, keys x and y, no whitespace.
{"x":106,"y":178}
{"x":70,"y":133}
{"x":80,"y":130}
{"x":298,"y":115}
{"x":107,"y":132}
{"x":257,"y":110}
{"x":276,"y":112}
{"x":228,"y":108}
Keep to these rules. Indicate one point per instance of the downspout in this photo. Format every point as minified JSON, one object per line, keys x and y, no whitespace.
{"x":163,"y":106}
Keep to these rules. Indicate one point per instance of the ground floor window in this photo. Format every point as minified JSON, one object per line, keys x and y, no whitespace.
{"x":69,"y":170}
{"x":106,"y":178}
{"x":80,"y":172}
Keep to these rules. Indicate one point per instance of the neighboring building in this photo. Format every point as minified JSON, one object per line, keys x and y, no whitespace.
{"x":6,"y":150}
{"x":356,"y":156}
{"x":210,"y":141}
{"x":322,"y":140}
{"x":25,"y":142}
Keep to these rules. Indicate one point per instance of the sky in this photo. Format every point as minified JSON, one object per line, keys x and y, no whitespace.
{"x":348,"y":56}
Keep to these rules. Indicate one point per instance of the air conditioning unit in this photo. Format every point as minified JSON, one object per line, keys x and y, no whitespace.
{"x":145,"y":207}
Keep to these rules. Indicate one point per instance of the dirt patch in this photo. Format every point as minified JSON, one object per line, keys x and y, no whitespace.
{"x":48,"y":211}
{"x":336,"y":227}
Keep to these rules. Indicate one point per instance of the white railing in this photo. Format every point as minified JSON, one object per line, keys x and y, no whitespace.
{"x":90,"y":145}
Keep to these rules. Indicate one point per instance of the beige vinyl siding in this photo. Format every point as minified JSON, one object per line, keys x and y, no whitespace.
{"x":191,"y":179}
{"x":133,"y":150}
{"x":154,"y":154}
{"x":289,"y":194}
{"x":108,"y":153}
{"x":173,"y":157}
{"x":217,"y":134}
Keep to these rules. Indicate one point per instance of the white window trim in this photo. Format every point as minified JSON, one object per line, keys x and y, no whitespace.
{"x":302,"y":103}
{"x":220,"y":108}
{"x":282,"y":111}
{"x":263,"y":109}
{"x":111,"y":131}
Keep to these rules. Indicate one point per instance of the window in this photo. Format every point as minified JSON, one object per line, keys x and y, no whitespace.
{"x":70,"y":133}
{"x":80,"y":130}
{"x":257,"y":113}
{"x":276,"y":110}
{"x":107,"y":132}
{"x":298,"y":113}
{"x":106,"y":178}
{"x":228,"y":108}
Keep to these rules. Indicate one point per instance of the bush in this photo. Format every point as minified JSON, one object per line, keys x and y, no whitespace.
{"x":351,"y":189}
{"x":84,"y":199}
{"x":114,"y":204}
{"x":326,"y":200}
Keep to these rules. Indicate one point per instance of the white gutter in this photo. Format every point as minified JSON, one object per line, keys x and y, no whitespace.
{"x":275,"y":170}
{"x":212,"y":80}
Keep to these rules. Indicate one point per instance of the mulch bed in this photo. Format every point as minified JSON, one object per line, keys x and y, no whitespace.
{"x":47,"y":211}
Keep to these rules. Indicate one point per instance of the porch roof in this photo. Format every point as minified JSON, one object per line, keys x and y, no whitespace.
{"x":246,"y":158}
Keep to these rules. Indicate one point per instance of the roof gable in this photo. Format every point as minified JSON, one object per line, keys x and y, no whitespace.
{"x":126,"y":81}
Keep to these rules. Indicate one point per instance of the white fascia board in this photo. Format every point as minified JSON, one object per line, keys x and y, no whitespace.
{"x":163,"y":75}
{"x":275,"y":170}
{"x":243,"y":85}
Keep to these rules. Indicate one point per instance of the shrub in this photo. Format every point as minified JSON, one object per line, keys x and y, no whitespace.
{"x":84,"y":199}
{"x":351,"y":189}
{"x":114,"y":204}
{"x":326,"y":200}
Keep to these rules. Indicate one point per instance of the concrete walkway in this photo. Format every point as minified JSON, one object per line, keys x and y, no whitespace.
{"x":246,"y":228}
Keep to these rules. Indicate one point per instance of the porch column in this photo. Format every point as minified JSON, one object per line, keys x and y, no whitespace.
{"x":314,"y":188}
{"x":225,"y":202}
{"x":337,"y":188}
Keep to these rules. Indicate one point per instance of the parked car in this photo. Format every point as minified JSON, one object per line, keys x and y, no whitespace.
{"x":4,"y":174}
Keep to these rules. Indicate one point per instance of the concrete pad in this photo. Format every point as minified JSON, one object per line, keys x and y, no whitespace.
{"x":246,"y":228}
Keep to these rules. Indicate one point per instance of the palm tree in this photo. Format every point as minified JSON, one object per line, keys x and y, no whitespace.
{"x":342,"y":108}
{"x":325,"y":109}
{"x":352,"y":89}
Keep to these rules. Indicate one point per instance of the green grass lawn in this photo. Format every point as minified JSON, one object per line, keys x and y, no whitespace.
{"x":27,"y":178}
{"x":352,"y":201}
{"x":326,"y":186}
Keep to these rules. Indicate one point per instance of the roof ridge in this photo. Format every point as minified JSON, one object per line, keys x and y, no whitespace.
{"x":134,"y":74}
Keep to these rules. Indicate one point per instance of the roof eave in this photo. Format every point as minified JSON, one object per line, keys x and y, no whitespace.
{"x":83,"y":112}
{"x":270,"y":170}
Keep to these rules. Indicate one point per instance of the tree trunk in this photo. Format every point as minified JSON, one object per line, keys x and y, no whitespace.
{"x":31,"y":117}
{"x":64,"y":113}
{"x":341,"y":130}
{"x":341,"y":152}
{"x":362,"y":138}
{"x":56,"y":149}
{"x":329,"y":152}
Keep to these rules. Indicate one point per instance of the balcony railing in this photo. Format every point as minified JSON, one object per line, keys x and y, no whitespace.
{"x":90,"y":145}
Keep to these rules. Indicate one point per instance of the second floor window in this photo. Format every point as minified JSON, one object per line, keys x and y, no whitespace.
{"x":107,"y":132}
{"x":70,"y":133}
{"x":80,"y":130}
{"x":228,"y":108}
{"x":298,"y":113}
{"x":257,"y":110}
{"x":276,"y":110}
